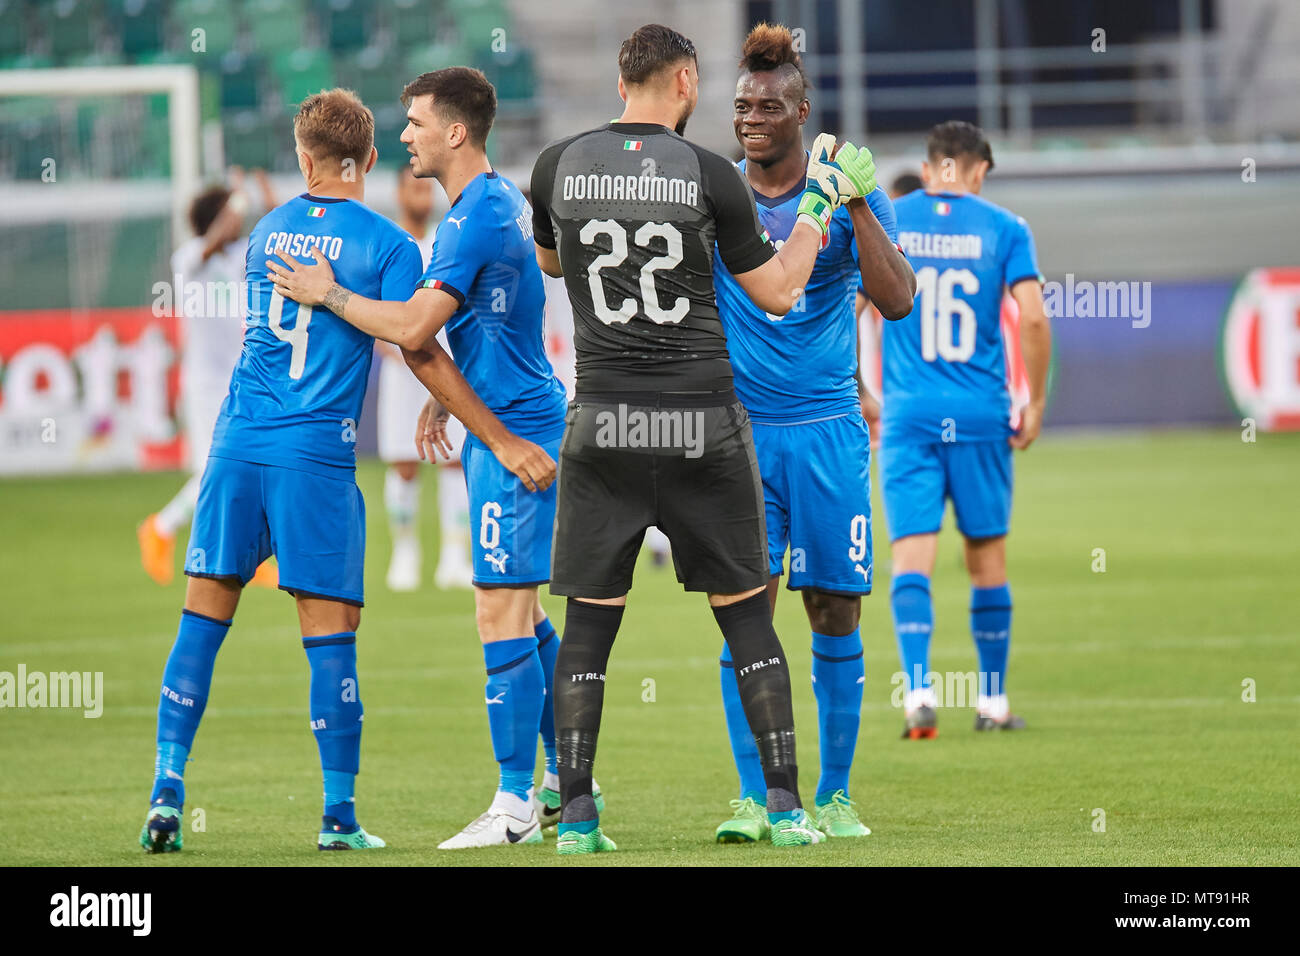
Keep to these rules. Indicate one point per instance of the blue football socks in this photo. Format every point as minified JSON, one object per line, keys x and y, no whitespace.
{"x":909,"y":598}
{"x":515,"y":695}
{"x":336,"y":716}
{"x":743,"y":748}
{"x":838,"y":675}
{"x":990,"y":626}
{"x":548,"y":646}
{"x":187,"y":680}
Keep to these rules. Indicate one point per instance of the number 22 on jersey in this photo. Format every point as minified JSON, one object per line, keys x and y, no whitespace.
{"x":617,"y":253}
{"x":940,"y":304}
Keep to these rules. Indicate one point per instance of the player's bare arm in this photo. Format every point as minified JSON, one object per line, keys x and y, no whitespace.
{"x":867,"y":401}
{"x":549,"y":261}
{"x":776,"y":285}
{"x":438,"y":373}
{"x":1036,"y":347}
{"x":886,"y":274}
{"x":408,"y":324}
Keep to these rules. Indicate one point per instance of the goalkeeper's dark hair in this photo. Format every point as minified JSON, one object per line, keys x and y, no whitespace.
{"x":960,"y":140}
{"x":770,"y":46}
{"x":650,"y":51}
{"x":205,"y":208}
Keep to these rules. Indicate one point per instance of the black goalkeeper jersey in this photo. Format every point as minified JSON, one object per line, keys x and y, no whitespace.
{"x":635,"y":212}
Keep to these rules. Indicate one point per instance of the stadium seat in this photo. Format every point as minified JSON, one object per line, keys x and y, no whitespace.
{"x":14,"y":36}
{"x":370,"y":72}
{"x":276,"y":25}
{"x":390,"y":120}
{"x":510,"y":72}
{"x":69,"y":26}
{"x":476,"y":21}
{"x":253,"y":141}
{"x":217,"y":20}
{"x":435,"y":56}
{"x":411,"y":22}
{"x":139,"y":24}
{"x":302,"y":73}
{"x":347,"y":24}
{"x":239,"y":87}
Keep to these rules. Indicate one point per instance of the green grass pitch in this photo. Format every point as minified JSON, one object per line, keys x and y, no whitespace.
{"x":1131,"y":681}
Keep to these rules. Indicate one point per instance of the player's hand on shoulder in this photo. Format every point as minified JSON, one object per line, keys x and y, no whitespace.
{"x":431,"y":431}
{"x":528,"y":462}
{"x":306,"y":284}
{"x":1031,"y":423}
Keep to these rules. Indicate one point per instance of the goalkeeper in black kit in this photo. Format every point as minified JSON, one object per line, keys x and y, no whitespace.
{"x":631,"y":215}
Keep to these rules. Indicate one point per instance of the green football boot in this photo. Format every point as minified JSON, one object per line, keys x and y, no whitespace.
{"x":331,"y":839}
{"x":799,"y":831}
{"x":547,"y":802}
{"x":572,"y":842}
{"x":748,"y":824}
{"x":163,"y":831}
{"x":838,"y":817}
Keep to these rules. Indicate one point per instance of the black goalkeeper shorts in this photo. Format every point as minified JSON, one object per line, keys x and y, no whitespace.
{"x":683,"y":462}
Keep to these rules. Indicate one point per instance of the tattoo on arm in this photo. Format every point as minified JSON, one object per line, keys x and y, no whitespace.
{"x":336,"y":299}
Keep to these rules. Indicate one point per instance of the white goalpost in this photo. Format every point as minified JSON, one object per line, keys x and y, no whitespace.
{"x":180,"y":82}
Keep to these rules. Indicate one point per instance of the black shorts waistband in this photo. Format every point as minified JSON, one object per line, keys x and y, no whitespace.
{"x":660,"y":399}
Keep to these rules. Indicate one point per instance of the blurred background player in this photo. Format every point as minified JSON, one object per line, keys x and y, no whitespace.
{"x":795,"y":375}
{"x":947,"y":410}
{"x":212,"y":261}
{"x":484,"y":286}
{"x":401,"y":399}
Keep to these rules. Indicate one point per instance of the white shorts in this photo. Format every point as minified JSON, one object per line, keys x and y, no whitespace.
{"x":201,"y":402}
{"x":401,"y":397}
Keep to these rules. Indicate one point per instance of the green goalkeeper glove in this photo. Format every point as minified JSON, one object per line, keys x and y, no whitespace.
{"x":828,"y":187}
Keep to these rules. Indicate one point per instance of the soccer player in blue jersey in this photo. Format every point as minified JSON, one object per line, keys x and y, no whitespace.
{"x":280,"y":474}
{"x":946,"y":411}
{"x":796,"y":374}
{"x":484,"y":285}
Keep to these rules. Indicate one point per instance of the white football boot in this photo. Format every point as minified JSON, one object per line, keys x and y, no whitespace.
{"x":508,"y":820}
{"x":404,"y":567}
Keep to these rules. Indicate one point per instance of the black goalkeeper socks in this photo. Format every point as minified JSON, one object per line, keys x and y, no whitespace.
{"x":579,"y":689}
{"x":764,"y":681}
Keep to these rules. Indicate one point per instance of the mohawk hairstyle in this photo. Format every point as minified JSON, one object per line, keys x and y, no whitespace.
{"x":770,"y":46}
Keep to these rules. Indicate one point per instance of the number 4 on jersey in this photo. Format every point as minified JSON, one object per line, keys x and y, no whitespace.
{"x":296,"y":336}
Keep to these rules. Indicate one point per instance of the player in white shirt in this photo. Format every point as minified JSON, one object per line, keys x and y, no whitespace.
{"x":401,"y":397}
{"x":212,"y":340}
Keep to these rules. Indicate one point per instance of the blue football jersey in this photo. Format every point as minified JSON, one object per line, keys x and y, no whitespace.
{"x":295,"y":395}
{"x":483,"y":256}
{"x":801,"y":366}
{"x":944,"y":366}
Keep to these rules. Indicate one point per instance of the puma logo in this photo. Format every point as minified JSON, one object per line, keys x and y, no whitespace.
{"x":865,"y":572}
{"x":498,"y":560}
{"x":495,"y":700}
{"x":457,"y":221}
